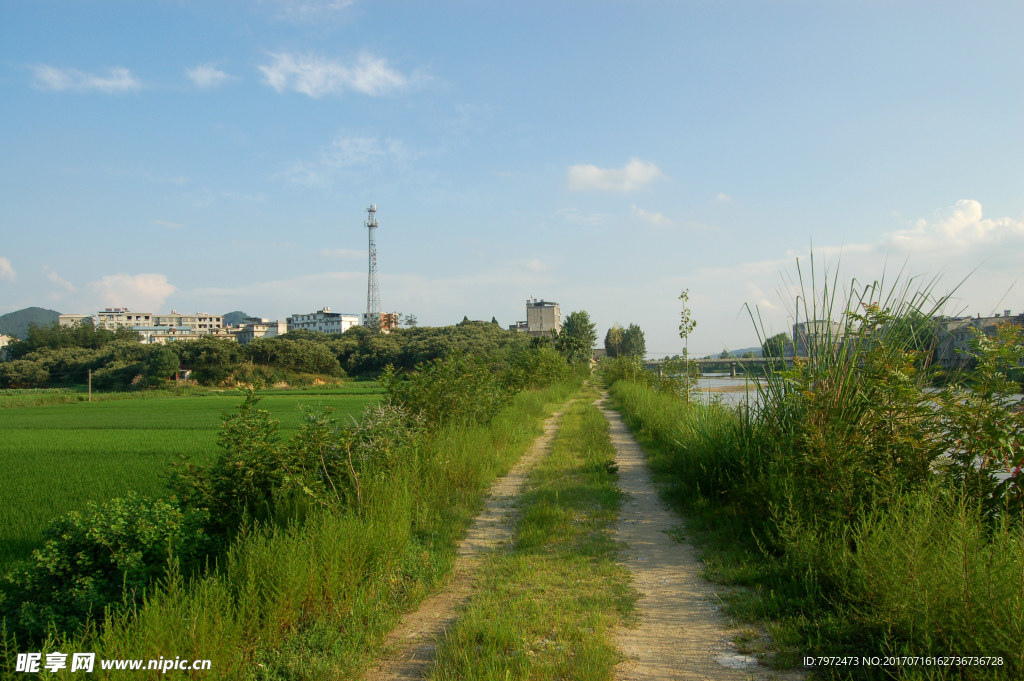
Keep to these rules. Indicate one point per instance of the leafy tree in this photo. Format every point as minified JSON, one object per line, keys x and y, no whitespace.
{"x":577,"y":338}
{"x":613,"y":341}
{"x":410,"y":321}
{"x":211,"y":359}
{"x":776,"y":345}
{"x":55,"y":336}
{"x":633,"y":343}
{"x":22,"y":373}
{"x":161,"y":364}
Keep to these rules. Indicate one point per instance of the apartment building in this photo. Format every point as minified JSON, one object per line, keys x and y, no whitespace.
{"x":72,"y":319}
{"x":257,"y":327}
{"x":154,"y":328}
{"x":323,"y":321}
{"x":955,"y":334}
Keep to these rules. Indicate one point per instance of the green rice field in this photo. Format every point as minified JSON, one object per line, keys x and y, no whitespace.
{"x":55,"y":458}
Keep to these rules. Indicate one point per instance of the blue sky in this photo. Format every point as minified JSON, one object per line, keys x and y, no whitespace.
{"x":217,"y":156}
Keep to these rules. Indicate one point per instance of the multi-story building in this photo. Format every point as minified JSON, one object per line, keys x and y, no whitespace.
{"x":257,"y":327}
{"x":72,"y":319}
{"x":4,"y":342}
{"x":953,"y":349}
{"x":155,"y":328}
{"x":384,"y":323}
{"x":817,"y":332}
{"x":324,"y":321}
{"x":542,"y":317}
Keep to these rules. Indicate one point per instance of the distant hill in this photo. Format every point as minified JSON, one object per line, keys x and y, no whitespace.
{"x":16,"y":323}
{"x":235,"y":318}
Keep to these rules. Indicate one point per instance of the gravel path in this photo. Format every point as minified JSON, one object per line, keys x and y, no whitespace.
{"x":681,"y":632}
{"x":412,"y":642}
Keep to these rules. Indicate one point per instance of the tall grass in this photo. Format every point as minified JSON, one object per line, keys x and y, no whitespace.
{"x":314,"y":600}
{"x":860,"y":502}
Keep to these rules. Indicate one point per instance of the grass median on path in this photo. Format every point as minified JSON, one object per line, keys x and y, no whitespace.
{"x":545,"y":606}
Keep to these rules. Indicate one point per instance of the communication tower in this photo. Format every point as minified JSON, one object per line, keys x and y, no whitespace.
{"x":372,"y":289}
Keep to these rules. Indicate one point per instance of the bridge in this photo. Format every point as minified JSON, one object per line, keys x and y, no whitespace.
{"x":655,"y":365}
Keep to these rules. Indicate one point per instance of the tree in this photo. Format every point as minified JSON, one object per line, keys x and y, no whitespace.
{"x":577,"y":338}
{"x":410,"y":321}
{"x":613,"y":341}
{"x":633,"y":343}
{"x":686,"y":323}
{"x":776,"y":345}
{"x":161,"y":364}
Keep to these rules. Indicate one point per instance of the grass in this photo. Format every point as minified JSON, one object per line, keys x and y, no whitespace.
{"x":315,"y":600}
{"x":924,"y":575}
{"x":545,"y":605}
{"x":58,"y":457}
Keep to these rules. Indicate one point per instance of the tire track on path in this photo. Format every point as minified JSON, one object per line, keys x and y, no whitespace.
{"x":681,"y":633}
{"x":412,"y":642}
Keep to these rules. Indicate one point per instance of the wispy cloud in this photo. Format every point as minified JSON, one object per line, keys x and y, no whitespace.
{"x":52,"y":78}
{"x":574,"y":216}
{"x":207,"y":76}
{"x":306,"y":9}
{"x":7,"y":270}
{"x":172,"y":225}
{"x":141,"y":291}
{"x":316,"y":77}
{"x":57,"y":279}
{"x":535,"y":265}
{"x":656,"y":219}
{"x":723,"y":198}
{"x":342,"y":253}
{"x":634,"y":175}
{"x":345,"y":153}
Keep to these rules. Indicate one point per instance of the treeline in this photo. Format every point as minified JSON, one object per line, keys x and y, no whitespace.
{"x":329,"y":535}
{"x":868,"y":510}
{"x":66,"y":355}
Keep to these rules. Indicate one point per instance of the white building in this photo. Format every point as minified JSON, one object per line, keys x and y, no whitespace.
{"x":72,"y":319}
{"x":155,"y":328}
{"x":257,"y":327}
{"x":4,"y":341}
{"x":323,"y":321}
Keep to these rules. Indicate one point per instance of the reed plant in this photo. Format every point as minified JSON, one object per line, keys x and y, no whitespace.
{"x":871,"y":502}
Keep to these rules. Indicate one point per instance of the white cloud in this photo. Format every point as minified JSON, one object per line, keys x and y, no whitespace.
{"x":146,"y":292}
{"x":317,"y":77}
{"x":207,"y":76}
{"x":344,"y":153}
{"x":636,"y":174}
{"x":172,"y":225}
{"x":7,"y":270}
{"x":307,"y":9}
{"x":723,"y":198}
{"x":342,"y":253}
{"x":956,"y":247}
{"x":573,"y":215}
{"x":56,"y":279}
{"x":52,"y":78}
{"x":535,"y":265}
{"x":656,"y":219}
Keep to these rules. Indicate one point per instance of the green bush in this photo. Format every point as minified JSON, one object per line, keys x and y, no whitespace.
{"x":106,"y":557}
{"x":456,"y":389}
{"x":21,"y":373}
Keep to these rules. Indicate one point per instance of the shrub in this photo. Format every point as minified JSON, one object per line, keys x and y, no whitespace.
{"x":456,"y":389}
{"x":21,"y":373}
{"x":106,"y":557}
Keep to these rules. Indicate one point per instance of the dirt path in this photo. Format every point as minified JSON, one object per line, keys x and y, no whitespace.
{"x":412,"y":642}
{"x":681,"y":634}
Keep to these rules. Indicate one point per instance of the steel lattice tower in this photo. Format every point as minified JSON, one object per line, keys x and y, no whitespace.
{"x":372,"y":288}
